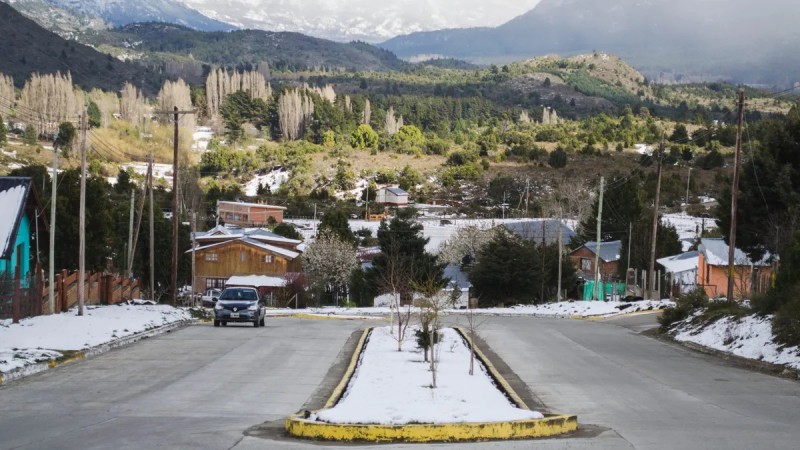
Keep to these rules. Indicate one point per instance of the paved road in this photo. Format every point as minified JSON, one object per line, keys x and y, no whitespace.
{"x":205,"y":387}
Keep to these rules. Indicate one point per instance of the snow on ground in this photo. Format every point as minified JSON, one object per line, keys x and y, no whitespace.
{"x":562,"y":309}
{"x":393,"y":388}
{"x":432,"y":229}
{"x":687,"y":226}
{"x":39,"y":338}
{"x":273,"y":179}
{"x":749,"y":337}
{"x":159,"y":170}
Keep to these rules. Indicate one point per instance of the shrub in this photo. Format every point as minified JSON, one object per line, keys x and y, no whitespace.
{"x":558,"y":158}
{"x":684,"y":306}
{"x":786,"y":324}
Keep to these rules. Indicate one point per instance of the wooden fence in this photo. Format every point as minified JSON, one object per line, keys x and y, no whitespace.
{"x":28,"y":298}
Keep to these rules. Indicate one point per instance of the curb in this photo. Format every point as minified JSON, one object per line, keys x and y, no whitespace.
{"x":615,"y":316}
{"x":297,"y":425}
{"x":75,"y":356}
{"x":328,"y":317}
{"x":777,"y":370}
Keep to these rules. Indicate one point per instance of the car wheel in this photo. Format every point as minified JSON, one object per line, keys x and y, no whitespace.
{"x":256,"y":323}
{"x":224,"y":323}
{"x":262,"y":323}
{"x":216,"y":323}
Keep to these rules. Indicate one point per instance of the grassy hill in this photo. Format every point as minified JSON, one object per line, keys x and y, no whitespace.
{"x":27,"y":48}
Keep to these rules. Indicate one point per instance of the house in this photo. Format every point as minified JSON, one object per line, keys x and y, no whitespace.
{"x":391,"y":196}
{"x":458,"y":286}
{"x":534,"y":230}
{"x":18,"y":228}
{"x":249,"y":214}
{"x":584,"y":256}
{"x":683,"y":269}
{"x":707,"y":267}
{"x":712,"y":270}
{"x":224,"y":252}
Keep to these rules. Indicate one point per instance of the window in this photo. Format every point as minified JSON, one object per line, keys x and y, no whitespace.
{"x":586,"y":264}
{"x":267,"y":259}
{"x":212,"y":257}
{"x":215,"y":283}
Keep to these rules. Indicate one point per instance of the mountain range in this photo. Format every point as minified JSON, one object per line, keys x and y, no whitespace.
{"x":739,"y":40}
{"x":69,"y":16}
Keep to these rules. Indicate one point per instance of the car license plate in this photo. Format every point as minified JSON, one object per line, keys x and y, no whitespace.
{"x":234,"y":315}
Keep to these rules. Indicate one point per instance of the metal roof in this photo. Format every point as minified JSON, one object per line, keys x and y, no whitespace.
{"x":680,"y":263}
{"x":531,"y":230}
{"x":609,"y":251}
{"x":715,"y":250}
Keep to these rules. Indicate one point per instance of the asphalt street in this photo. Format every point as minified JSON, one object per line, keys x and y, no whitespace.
{"x":231,"y":387}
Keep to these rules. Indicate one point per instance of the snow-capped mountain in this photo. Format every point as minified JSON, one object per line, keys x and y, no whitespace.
{"x":367,"y":20}
{"x":122,"y":12}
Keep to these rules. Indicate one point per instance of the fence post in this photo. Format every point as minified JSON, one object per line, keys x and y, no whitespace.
{"x":62,"y":291}
{"x":39,"y":289}
{"x":16,"y":297}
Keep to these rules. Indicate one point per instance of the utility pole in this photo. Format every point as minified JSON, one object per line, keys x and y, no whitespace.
{"x":128,"y":256}
{"x":152,"y":228}
{"x":138,"y":222}
{"x":735,"y":198}
{"x":630,"y":236}
{"x":175,"y":215}
{"x":544,"y":223}
{"x":194,"y":232}
{"x":51,"y":298}
{"x":82,"y":221}
{"x":652,"y":269}
{"x":688,"y":179}
{"x":366,"y":208}
{"x":560,"y":248}
{"x":596,"y":295}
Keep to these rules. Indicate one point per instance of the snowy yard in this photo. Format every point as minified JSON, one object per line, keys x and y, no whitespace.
{"x":40,"y":339}
{"x":749,"y":337}
{"x":393,"y":388}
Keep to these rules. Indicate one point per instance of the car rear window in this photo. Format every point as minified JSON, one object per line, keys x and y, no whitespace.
{"x":238,"y":294}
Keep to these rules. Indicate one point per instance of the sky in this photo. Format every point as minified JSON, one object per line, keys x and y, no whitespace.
{"x":361,"y":19}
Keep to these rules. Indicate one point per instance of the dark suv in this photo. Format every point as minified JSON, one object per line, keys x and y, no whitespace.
{"x":239,"y":304}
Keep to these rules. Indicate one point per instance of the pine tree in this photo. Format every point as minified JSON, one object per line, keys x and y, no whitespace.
{"x":3,"y":131}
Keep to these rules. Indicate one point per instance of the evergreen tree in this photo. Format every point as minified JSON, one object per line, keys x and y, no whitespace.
{"x":93,"y":112}
{"x":507,"y":270}
{"x":31,"y":135}
{"x":336,"y":222}
{"x":403,"y":256}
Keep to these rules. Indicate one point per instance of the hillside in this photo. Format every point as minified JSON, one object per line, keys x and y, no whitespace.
{"x":27,"y":48}
{"x":75,"y":15}
{"x":281,"y":50}
{"x":684,"y":39}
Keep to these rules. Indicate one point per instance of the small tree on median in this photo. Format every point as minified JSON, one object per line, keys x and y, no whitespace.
{"x":329,"y":262}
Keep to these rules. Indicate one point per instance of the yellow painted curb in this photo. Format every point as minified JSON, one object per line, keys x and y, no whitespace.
{"x":519,"y":429}
{"x":552,"y":425}
{"x":1,"y":380}
{"x":78,"y":356}
{"x":351,"y":368}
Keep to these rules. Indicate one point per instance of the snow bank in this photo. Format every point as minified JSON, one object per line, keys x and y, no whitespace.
{"x":749,"y":337}
{"x":38,"y":339}
{"x":562,"y":309}
{"x":393,"y":388}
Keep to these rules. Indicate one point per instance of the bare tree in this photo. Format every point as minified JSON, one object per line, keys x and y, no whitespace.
{"x":524,"y":117}
{"x":367,"y":115}
{"x":177,"y":93}
{"x":220,"y":83}
{"x":431,"y":305}
{"x":295,"y":109}
{"x":132,"y":105}
{"x":7,"y":95}
{"x":107,"y":103}
{"x":466,"y":241}
{"x":395,"y":280}
{"x":392,"y":123}
{"x":329,"y":261}
{"x":50,"y":100}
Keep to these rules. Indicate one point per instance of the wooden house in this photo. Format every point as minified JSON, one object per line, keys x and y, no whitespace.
{"x":222,"y":252}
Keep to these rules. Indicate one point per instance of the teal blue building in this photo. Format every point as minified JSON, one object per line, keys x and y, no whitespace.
{"x":18,"y":208}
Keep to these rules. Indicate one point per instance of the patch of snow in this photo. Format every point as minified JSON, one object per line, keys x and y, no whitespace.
{"x":274,"y":179}
{"x":68,"y":331}
{"x":749,"y":337}
{"x":392,"y":388}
